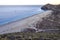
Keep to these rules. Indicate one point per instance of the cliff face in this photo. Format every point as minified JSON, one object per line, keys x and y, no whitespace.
{"x":51,"y":22}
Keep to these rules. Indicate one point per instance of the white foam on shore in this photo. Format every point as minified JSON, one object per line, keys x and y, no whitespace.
{"x":26,"y":23}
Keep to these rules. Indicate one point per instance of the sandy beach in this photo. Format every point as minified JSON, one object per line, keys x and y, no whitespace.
{"x":17,"y":26}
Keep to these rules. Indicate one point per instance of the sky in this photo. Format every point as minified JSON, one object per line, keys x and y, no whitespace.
{"x":28,"y":2}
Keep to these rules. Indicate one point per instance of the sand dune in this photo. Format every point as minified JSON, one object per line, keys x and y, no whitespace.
{"x":17,"y":26}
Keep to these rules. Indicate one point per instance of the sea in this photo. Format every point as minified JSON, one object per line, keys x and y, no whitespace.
{"x":10,"y":13}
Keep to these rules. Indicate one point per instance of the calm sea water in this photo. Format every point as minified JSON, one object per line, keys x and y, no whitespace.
{"x":13,"y":13}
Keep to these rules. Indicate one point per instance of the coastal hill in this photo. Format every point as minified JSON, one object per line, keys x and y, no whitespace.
{"x":53,"y":21}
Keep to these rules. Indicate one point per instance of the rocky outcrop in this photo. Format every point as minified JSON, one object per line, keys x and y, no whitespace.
{"x":51,"y":7}
{"x":55,"y":8}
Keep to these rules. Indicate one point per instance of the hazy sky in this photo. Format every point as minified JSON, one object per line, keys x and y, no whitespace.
{"x":28,"y":2}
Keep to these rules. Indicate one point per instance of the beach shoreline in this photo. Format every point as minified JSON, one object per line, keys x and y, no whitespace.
{"x":21,"y":24}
